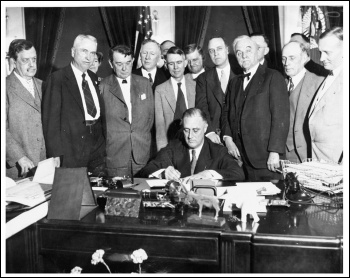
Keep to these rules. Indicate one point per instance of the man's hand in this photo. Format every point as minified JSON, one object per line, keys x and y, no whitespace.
{"x":232,"y":148}
{"x":25,"y":164}
{"x":57,"y":161}
{"x":273,"y":161}
{"x":172,"y":174}
{"x":214,"y":137}
{"x":201,"y":175}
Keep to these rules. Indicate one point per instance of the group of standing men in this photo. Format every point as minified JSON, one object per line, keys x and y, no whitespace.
{"x":260,"y":116}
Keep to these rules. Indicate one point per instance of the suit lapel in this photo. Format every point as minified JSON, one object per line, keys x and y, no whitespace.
{"x":214,"y":83}
{"x":190,"y":90}
{"x":37,"y":91}
{"x":255,"y":84}
{"x":72,"y":86}
{"x":238,"y":91}
{"x":21,"y":91}
{"x":115,"y":88}
{"x":204,"y":159}
{"x":170,"y":95}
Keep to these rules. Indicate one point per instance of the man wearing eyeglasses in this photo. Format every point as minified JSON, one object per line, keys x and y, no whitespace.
{"x":129,"y":103}
{"x":211,"y":87}
{"x":73,"y":110}
{"x":256,"y":114}
{"x":263,"y":47}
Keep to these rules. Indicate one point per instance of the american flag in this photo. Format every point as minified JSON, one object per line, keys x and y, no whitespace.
{"x":143,"y":30}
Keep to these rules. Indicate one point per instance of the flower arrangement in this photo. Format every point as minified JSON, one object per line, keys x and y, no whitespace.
{"x":138,"y":256}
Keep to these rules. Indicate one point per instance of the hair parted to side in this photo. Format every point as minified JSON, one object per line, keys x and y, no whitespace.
{"x":17,"y":46}
{"x":122,"y":49}
{"x":218,"y":37}
{"x":336,"y":31}
{"x":239,"y":38}
{"x":194,"y":112}
{"x":192,"y":48}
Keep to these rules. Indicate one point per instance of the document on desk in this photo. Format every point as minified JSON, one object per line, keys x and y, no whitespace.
{"x":45,"y":172}
{"x":28,"y":192}
{"x":262,"y":188}
{"x":157,"y":183}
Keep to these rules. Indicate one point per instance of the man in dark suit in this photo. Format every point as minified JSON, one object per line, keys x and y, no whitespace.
{"x":256,"y":115}
{"x":211,"y":87}
{"x":310,"y":65}
{"x":195,"y":156}
{"x":195,"y":59}
{"x":129,"y":106}
{"x":25,"y":145}
{"x":73,"y":111}
{"x":150,"y":56}
{"x":263,"y":47}
{"x":302,"y":86}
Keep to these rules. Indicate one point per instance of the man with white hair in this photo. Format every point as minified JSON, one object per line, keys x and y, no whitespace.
{"x":256,"y":114}
{"x":73,"y":110}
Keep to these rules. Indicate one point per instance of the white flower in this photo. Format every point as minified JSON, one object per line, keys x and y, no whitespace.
{"x":76,"y":270}
{"x":138,"y":256}
{"x":97,"y":257}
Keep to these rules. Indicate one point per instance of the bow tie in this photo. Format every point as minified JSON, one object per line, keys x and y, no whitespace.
{"x":245,"y":75}
{"x":330,"y":72}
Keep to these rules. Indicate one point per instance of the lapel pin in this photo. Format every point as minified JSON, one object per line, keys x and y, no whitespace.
{"x":143,"y":96}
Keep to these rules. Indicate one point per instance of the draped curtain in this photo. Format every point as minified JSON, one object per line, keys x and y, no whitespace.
{"x":44,"y":28}
{"x":265,"y":19}
{"x":191,"y":24}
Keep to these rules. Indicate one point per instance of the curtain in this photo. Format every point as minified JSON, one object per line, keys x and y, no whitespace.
{"x":191,"y":24}
{"x":44,"y":28}
{"x":265,"y":19}
{"x":120,"y":25}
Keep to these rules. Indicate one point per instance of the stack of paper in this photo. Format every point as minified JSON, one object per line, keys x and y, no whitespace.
{"x":261,"y":188}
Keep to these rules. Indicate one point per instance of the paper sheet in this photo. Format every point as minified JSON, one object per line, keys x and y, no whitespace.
{"x":45,"y":172}
{"x":157,"y":183}
{"x":262,"y":188}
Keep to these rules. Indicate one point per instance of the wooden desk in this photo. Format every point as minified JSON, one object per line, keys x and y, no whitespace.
{"x":306,"y":239}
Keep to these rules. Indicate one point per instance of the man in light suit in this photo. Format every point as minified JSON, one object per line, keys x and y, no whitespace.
{"x":302,"y":86}
{"x":256,"y":114}
{"x":172,"y":98}
{"x":150,"y":56}
{"x":195,"y":59}
{"x":194,"y":156}
{"x":211,"y":87}
{"x":73,"y":111}
{"x":326,"y":112}
{"x":25,"y":145}
{"x":129,"y":106}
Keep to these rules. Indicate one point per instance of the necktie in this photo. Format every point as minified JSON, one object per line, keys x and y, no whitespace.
{"x":330,"y":72}
{"x":193,"y":162}
{"x":180,"y":103}
{"x":223,"y":81}
{"x":31,"y":87}
{"x":90,"y":105}
{"x":150,"y":78}
{"x":291,"y":86}
{"x":124,"y":81}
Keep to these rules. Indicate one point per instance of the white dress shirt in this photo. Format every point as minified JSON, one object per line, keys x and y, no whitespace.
{"x":78,"y":76}
{"x":297,"y":78}
{"x":183,"y":88}
{"x":195,"y":75}
{"x":226,"y":69}
{"x":126,"y":94}
{"x":252,"y":71}
{"x":152,"y":72}
{"x":28,"y":84}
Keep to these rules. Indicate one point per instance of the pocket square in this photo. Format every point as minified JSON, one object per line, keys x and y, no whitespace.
{"x":143,"y":96}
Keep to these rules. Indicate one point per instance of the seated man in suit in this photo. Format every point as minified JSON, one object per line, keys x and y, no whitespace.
{"x":194,"y":157}
{"x":172,"y":98}
{"x":195,"y":58}
{"x":302,"y":86}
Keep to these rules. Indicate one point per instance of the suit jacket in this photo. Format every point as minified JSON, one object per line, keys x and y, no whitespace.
{"x":265,"y":115}
{"x":212,"y":157}
{"x":298,"y":141}
{"x":210,"y":97}
{"x":159,"y":78}
{"x":165,"y":106}
{"x":124,"y":138}
{"x":64,"y":125}
{"x":24,"y":133}
{"x":326,"y":123}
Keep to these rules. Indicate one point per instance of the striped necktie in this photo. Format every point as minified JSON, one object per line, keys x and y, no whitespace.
{"x":89,"y":101}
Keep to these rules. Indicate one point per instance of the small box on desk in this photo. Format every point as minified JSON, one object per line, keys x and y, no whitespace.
{"x":122,"y":202}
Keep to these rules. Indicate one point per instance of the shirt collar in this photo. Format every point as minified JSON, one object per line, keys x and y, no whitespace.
{"x":253,"y":70}
{"x":298,"y":77}
{"x":76,"y":71}
{"x":174,"y":82}
{"x":152,"y":72}
{"x":337,"y":70}
{"x":21,"y":78}
{"x":262,"y":61}
{"x":226,"y":69}
{"x":120,"y":80}
{"x":195,"y":75}
{"x":198,"y":149}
